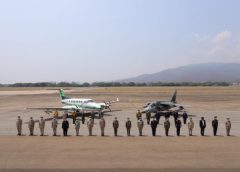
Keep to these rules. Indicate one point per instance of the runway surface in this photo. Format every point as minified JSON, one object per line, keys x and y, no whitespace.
{"x":122,"y":153}
{"x":130,"y":153}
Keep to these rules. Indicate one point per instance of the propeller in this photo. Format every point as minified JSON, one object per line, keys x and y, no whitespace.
{"x":107,"y":105}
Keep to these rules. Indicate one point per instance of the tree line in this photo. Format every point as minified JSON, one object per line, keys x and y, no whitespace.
{"x":113,"y":84}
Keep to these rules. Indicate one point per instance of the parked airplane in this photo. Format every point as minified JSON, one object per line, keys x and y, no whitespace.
{"x":74,"y":104}
{"x":153,"y":107}
{"x":84,"y":104}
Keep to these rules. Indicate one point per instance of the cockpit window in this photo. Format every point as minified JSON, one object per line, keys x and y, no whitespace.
{"x":153,"y":104}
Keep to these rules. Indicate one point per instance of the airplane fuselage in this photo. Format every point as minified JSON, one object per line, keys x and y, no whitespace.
{"x":81,"y":104}
{"x":153,"y":107}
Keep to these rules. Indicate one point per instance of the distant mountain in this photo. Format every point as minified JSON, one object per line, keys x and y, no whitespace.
{"x":214,"y":72}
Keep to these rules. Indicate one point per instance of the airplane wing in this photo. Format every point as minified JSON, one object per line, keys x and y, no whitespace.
{"x":51,"y":109}
{"x":87,"y":114}
{"x":108,"y":103}
{"x":179,"y":105}
{"x":114,"y":101}
{"x":166,"y":104}
{"x":173,"y":104}
{"x":65,"y":108}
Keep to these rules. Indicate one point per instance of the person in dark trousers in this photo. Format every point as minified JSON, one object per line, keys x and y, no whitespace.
{"x":158,"y":115}
{"x":167,"y":115}
{"x":154,"y":124}
{"x":128,"y":126}
{"x":202,"y":125}
{"x":65,"y":126}
{"x":215,"y":126}
{"x":175,"y":116}
{"x":185,"y":117}
{"x":83,"y":118}
{"x":115,"y":126}
{"x":178,"y":126}
{"x":148,"y":117}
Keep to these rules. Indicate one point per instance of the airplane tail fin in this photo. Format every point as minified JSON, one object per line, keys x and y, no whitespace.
{"x":174,"y":97}
{"x":62,"y":94}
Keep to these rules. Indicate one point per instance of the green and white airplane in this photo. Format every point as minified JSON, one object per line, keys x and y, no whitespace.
{"x":80,"y":104}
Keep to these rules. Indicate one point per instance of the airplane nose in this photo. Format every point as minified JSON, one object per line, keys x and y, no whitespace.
{"x":146,"y":109}
{"x":96,"y":106}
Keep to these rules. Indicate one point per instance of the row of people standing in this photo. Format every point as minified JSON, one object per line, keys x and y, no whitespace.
{"x":115,"y":125}
{"x":77,"y":123}
{"x":128,"y":125}
{"x":54,"y":125}
{"x":154,"y":124}
{"x":202,"y":125}
{"x":202,"y":122}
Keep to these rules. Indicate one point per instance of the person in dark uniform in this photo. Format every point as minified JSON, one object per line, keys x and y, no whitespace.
{"x":167,"y":115}
{"x":158,"y":115}
{"x":215,"y":126}
{"x":83,"y":118}
{"x":148,"y":117}
{"x":65,"y":126}
{"x":178,"y":126}
{"x":154,"y":124}
{"x":175,"y":116}
{"x":202,"y":125}
{"x":115,"y":126}
{"x":128,"y":126}
{"x":185,"y":117}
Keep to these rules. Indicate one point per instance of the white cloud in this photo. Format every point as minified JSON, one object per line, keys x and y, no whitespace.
{"x":216,"y":50}
{"x":222,"y":47}
{"x":226,"y":46}
{"x":222,"y":37}
{"x":201,"y":38}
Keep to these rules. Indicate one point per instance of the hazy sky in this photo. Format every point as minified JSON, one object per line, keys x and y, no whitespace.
{"x":95,"y":40}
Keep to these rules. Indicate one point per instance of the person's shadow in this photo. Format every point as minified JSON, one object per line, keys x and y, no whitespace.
{"x":104,"y":136}
{"x":170,"y":136}
{"x":219,"y":136}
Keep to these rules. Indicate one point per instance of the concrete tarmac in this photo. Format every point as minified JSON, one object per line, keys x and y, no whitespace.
{"x":116,"y":153}
{"x":121,"y":153}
